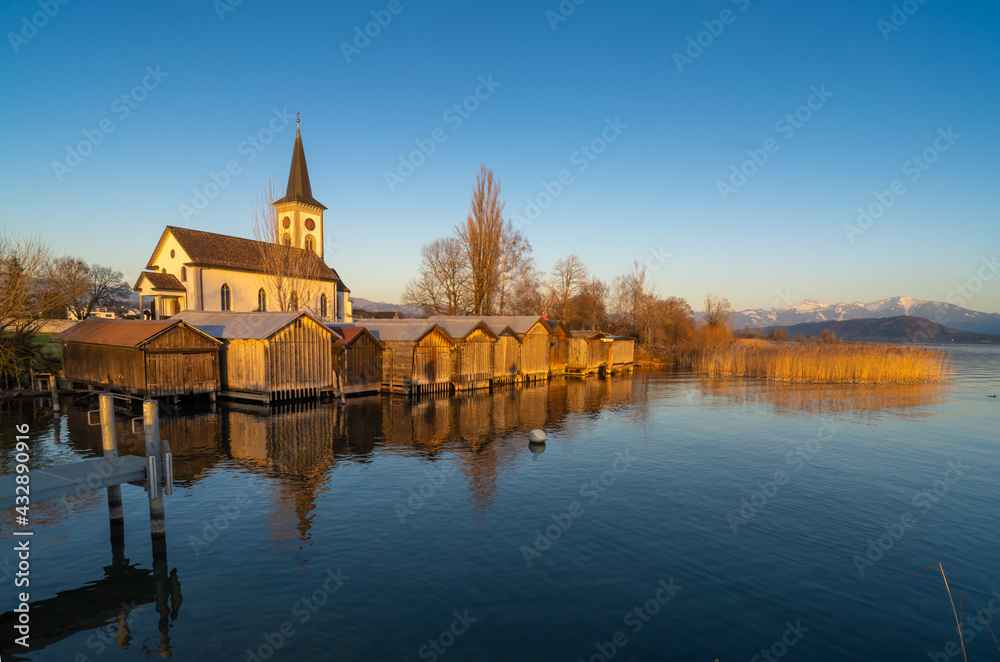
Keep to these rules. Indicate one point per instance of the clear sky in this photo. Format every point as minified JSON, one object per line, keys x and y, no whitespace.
{"x":667,"y":98}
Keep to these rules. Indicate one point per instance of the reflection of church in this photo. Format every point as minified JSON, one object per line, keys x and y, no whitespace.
{"x":196,"y":270}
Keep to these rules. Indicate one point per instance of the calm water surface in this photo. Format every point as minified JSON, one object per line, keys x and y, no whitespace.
{"x":669,"y":518}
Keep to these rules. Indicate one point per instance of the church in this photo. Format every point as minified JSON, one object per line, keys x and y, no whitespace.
{"x":197,"y":270}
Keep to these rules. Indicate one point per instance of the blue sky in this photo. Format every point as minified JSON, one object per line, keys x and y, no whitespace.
{"x":893,"y":79}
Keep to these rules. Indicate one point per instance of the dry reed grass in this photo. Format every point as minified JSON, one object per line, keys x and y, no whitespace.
{"x":823,"y":363}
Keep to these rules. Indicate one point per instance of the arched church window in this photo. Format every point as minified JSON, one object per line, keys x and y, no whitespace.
{"x":322,"y":306}
{"x":184,"y":274}
{"x":262,"y":300}
{"x":293,"y":302}
{"x":310,"y":243}
{"x":227,"y":298}
{"x":287,"y":239}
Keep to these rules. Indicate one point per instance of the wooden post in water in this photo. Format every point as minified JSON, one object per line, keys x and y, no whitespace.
{"x":157,"y":522}
{"x":116,"y":515}
{"x":54,"y":388}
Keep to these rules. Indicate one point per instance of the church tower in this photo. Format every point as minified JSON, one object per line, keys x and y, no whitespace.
{"x":299,"y":215}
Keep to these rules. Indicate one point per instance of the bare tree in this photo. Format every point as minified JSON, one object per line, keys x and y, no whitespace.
{"x":26,"y":291}
{"x":289,"y":275}
{"x":88,"y":287}
{"x":717,"y":312}
{"x":589,"y":307}
{"x":569,"y":274}
{"x":481,"y":238}
{"x":514,"y":266}
{"x":27,"y":294}
{"x":441,"y":286}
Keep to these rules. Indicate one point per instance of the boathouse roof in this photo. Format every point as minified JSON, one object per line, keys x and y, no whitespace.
{"x":121,"y":333}
{"x":243,"y":326}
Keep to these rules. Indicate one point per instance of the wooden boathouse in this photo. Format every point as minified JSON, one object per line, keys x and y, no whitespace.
{"x":472,"y":357}
{"x":417,"y":356}
{"x":357,"y":360}
{"x":270,"y":357}
{"x":533,"y":333}
{"x":622,"y":353}
{"x":588,"y":352}
{"x":506,"y":354}
{"x":558,"y":347}
{"x":151,"y":359}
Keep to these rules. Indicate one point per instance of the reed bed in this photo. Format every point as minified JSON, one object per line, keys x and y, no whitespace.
{"x":824,"y":363}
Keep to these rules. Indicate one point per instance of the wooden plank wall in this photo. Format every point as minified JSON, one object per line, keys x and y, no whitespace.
{"x":623,"y":352}
{"x":598,"y":352}
{"x":120,"y":368}
{"x":182,"y":373}
{"x":578,"y":354}
{"x":246,"y":366}
{"x":472,"y":366}
{"x":535,"y":353}
{"x":359,"y":365}
{"x":300,"y":360}
{"x":431,"y":372}
{"x":506,"y":359}
{"x":558,"y":355}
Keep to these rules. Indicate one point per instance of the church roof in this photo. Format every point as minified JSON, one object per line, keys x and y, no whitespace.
{"x":299,"y":189}
{"x":208,"y":249}
{"x":160,"y":281}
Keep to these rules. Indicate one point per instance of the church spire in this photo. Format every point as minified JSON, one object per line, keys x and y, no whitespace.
{"x":299,"y":189}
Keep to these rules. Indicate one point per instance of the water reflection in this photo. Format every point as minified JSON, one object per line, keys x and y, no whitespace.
{"x":110,"y":605}
{"x":903,"y":400}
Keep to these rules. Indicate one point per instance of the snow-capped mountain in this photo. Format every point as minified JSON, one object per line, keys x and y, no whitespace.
{"x":818,"y":311}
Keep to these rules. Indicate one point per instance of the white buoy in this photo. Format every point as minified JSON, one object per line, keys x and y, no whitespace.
{"x":536,"y":437}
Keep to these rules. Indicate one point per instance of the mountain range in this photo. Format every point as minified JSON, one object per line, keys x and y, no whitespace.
{"x":946,"y":314}
{"x":901,"y":329}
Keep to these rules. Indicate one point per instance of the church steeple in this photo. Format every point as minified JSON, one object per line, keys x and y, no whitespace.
{"x":299,"y":214}
{"x":299,"y":189}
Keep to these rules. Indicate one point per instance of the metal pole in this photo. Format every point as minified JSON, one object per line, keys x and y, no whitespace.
{"x":157,"y":523}
{"x":116,"y":515}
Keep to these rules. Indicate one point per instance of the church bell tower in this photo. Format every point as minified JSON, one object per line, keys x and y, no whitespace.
{"x":299,"y":214}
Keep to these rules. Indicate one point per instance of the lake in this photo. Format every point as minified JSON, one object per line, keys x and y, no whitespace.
{"x":669,"y":517}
